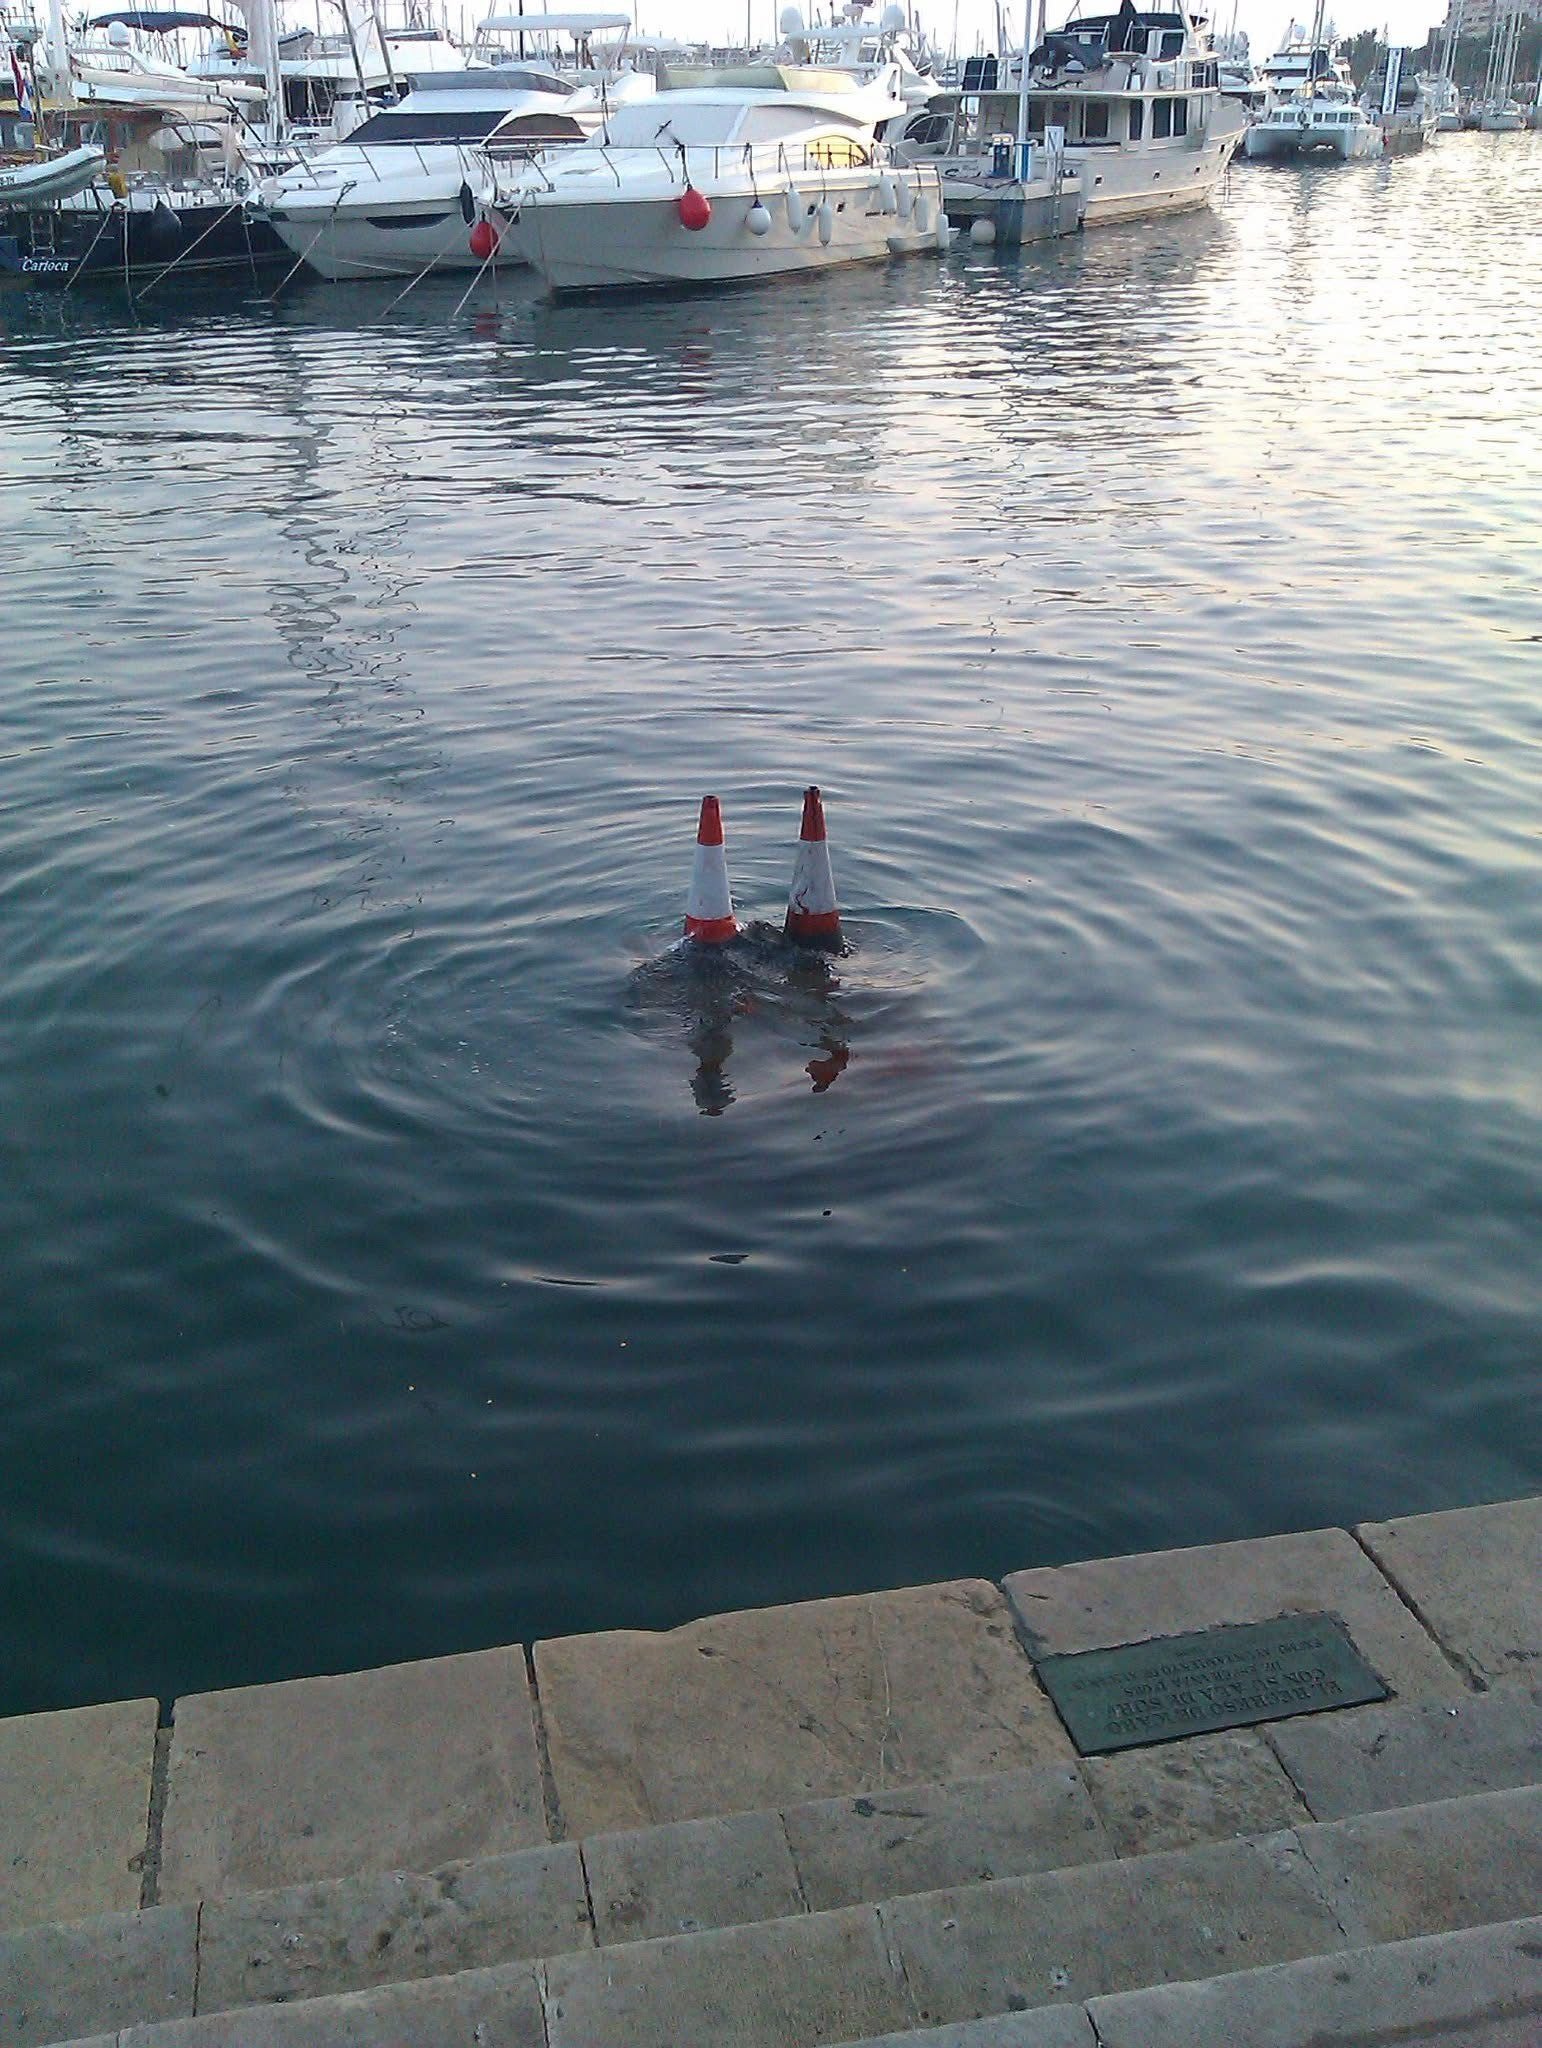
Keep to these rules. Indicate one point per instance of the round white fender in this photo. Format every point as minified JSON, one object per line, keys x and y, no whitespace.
{"x":982,"y":233}
{"x":758,"y":219}
{"x":826,"y":218}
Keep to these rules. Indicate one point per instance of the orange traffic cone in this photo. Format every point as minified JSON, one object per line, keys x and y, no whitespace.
{"x":812,"y":916}
{"x":709,"y":909}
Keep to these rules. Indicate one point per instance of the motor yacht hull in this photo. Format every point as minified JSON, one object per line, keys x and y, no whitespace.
{"x":1509,"y":122}
{"x":606,"y":244}
{"x":430,"y":233}
{"x":1140,"y":184}
{"x":1406,"y":137}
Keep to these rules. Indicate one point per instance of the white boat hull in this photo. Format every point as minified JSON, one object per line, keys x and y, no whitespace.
{"x":53,"y":179}
{"x":1508,"y":123}
{"x":1282,"y":140}
{"x":402,"y":241}
{"x":603,"y":244}
{"x":1141,"y":184}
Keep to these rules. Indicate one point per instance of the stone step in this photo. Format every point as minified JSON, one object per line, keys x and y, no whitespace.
{"x":1480,"y":1988}
{"x":346,"y":1934}
{"x":415,"y":1766}
{"x":1056,"y":1937}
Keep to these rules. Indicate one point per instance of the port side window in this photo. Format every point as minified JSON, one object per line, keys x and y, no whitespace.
{"x":838,"y":153}
{"x":1172,"y":45}
{"x":1095,"y":120}
{"x":1137,"y":119}
{"x":1161,"y":118}
{"x":1180,"y":117}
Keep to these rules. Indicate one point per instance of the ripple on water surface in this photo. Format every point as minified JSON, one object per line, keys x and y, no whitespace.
{"x":408,"y":1250}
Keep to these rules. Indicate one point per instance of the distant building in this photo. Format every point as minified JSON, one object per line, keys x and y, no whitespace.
{"x":1477,"y":17}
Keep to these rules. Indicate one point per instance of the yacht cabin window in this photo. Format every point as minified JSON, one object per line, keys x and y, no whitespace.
{"x":837,"y":153}
{"x":1137,"y":120}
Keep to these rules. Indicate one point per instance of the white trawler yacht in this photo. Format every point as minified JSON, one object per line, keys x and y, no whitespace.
{"x":400,"y":195}
{"x":728,"y":175}
{"x":1130,"y":102}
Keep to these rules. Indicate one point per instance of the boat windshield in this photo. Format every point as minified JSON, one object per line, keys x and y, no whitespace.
{"x":710,"y":124}
{"x":652,"y":125}
{"x":460,"y":124}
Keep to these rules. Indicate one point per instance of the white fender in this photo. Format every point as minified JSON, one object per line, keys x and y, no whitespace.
{"x":923,"y":214}
{"x":758,"y":219}
{"x":826,"y":219}
{"x":886,"y":194}
{"x":797,"y":209}
{"x":982,"y":233}
{"x":903,"y":198}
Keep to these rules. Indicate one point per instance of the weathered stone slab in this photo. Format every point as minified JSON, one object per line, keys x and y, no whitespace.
{"x":1475,"y":1576}
{"x":690,"y":1875}
{"x":1478,"y":1989}
{"x":74,"y":1811}
{"x":1431,"y":1869}
{"x":1408,"y":1755}
{"x":61,"y":1981}
{"x":1107,"y":1601}
{"x":403,"y":1768}
{"x":1204,"y":1790}
{"x":927,"y":1837}
{"x":1052,"y":2026}
{"x":815,"y":1979}
{"x":350,"y":1934}
{"x":478,"y":2009}
{"x":782,"y":1704}
{"x":1075,"y":1934}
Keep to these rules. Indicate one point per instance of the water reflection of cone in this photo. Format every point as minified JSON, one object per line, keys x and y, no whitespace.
{"x":812,"y":916}
{"x":709,"y":909}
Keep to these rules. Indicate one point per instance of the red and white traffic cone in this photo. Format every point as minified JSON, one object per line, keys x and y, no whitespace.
{"x":709,"y":909}
{"x":812,"y":916}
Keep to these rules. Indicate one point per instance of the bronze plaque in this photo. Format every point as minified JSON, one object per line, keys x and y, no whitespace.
{"x":1217,"y":1678}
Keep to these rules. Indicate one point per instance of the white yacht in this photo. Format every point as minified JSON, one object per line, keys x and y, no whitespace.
{"x":400,"y":195}
{"x":1311,"y":108}
{"x":1501,"y":117}
{"x":768,"y":169}
{"x":867,"y":50}
{"x":1445,"y":103}
{"x":328,"y":83}
{"x":1403,"y":102}
{"x":1130,"y":103}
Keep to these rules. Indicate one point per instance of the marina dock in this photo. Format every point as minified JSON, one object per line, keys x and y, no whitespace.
{"x":851,"y":1820}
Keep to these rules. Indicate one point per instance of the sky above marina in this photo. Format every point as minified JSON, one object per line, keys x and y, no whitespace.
{"x":1265,"y":21}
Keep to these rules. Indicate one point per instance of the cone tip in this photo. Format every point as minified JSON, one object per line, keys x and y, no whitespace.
{"x":813,"y":813}
{"x":709,"y":832}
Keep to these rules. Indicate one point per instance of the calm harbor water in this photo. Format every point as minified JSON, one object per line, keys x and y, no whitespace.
{"x":399,"y":1260}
